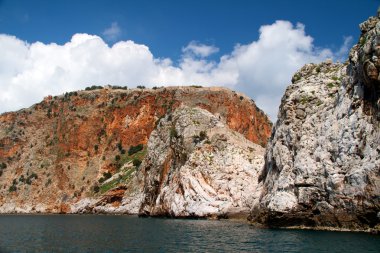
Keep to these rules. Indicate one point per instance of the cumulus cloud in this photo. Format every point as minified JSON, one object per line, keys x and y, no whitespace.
{"x":261,"y":69}
{"x":197,"y":49}
{"x":113,"y":32}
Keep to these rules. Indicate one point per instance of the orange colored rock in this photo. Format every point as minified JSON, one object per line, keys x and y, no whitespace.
{"x":69,"y":141}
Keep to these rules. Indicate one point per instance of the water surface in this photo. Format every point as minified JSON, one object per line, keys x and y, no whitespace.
{"x":106,"y":233}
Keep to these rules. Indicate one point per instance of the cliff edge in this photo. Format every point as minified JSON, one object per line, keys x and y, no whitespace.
{"x":322,"y":163}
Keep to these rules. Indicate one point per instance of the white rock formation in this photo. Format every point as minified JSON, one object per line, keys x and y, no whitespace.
{"x":196,"y":166}
{"x":323,"y":159}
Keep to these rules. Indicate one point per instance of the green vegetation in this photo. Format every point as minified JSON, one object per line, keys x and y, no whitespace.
{"x":296,"y":77}
{"x":134,"y":149}
{"x":123,"y":178}
{"x":67,"y":95}
{"x":120,"y":148}
{"x":136,"y":162}
{"x":330,"y":85}
{"x":3,"y":166}
{"x":137,"y":155}
{"x":106,"y":175}
{"x":196,"y":86}
{"x":96,"y":188}
{"x":30,"y":178}
{"x":94,"y":87}
{"x":49,"y":113}
{"x":22,"y":179}
{"x":140,"y":87}
{"x":173,"y":132}
{"x":12,"y":188}
{"x":119,"y":145}
{"x":363,"y":40}
{"x":116,"y":87}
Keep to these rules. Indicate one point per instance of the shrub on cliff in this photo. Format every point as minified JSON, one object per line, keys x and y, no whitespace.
{"x":106,"y":175}
{"x":3,"y":166}
{"x":30,"y":178}
{"x":94,"y":87}
{"x":173,"y":132}
{"x":22,"y":179}
{"x":12,"y":188}
{"x":96,"y":188}
{"x":136,"y":162}
{"x":117,"y":87}
{"x":120,"y":147}
{"x":134,"y":149}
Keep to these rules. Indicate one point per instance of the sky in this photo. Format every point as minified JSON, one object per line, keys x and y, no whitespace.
{"x":52,"y":47}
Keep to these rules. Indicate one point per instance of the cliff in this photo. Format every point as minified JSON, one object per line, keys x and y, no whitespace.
{"x":322,"y":163}
{"x":80,"y":152}
{"x":196,"y":166}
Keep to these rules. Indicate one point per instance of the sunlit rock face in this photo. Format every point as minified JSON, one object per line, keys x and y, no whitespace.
{"x":70,"y":153}
{"x":196,"y":166}
{"x":322,"y":163}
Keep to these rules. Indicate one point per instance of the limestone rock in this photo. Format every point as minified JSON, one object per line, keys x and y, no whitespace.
{"x":69,"y":153}
{"x":322,"y":168}
{"x":196,"y":166}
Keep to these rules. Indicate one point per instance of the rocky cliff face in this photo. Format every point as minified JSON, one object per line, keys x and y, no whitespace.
{"x":80,"y":152}
{"x":196,"y":166}
{"x":322,"y":164}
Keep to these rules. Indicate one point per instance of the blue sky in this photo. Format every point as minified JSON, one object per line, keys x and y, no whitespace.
{"x":166,"y":26}
{"x":181,"y":38}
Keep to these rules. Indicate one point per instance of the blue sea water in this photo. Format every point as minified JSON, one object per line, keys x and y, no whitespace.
{"x":106,"y":233}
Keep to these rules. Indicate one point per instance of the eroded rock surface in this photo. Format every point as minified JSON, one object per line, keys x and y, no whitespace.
{"x":70,"y":153}
{"x":196,"y":166}
{"x":323,"y":159}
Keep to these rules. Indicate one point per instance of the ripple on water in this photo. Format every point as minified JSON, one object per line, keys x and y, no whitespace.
{"x":90,"y":233}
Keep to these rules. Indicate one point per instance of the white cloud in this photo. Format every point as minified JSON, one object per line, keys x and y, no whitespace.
{"x":261,"y":69}
{"x":341,"y":55}
{"x":197,"y":49}
{"x":113,"y":32}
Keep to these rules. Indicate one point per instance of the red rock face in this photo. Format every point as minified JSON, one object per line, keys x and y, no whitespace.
{"x":69,"y":141}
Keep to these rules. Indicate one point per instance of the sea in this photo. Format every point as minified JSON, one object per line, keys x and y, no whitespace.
{"x":119,"y":233}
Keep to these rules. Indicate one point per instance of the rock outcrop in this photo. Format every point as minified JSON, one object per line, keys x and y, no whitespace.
{"x":80,"y":152}
{"x":322,"y":164}
{"x":196,"y":166}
